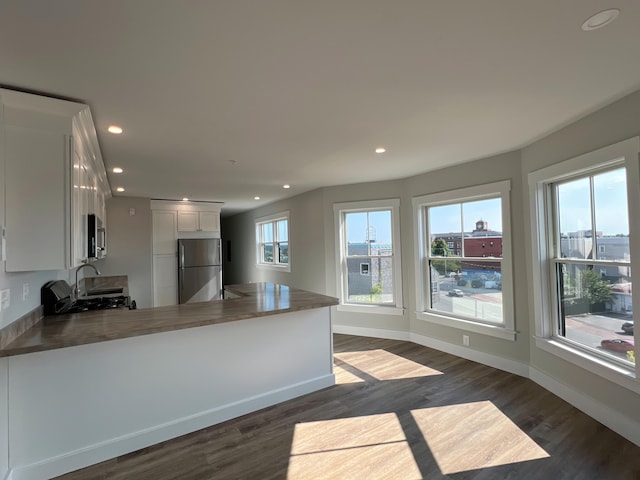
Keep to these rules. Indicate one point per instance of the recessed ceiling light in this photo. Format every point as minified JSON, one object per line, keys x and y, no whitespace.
{"x":256,"y":198}
{"x":600,"y":19}
{"x":119,"y":189}
{"x":185,"y":199}
{"x":381,"y":150}
{"x":116,"y":130}
{"x":286,"y":185}
{"x":117,"y":170}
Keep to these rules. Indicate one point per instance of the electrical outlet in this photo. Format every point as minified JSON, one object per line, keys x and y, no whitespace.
{"x":465,"y":340}
{"x":5,"y":299}
{"x":25,"y":291}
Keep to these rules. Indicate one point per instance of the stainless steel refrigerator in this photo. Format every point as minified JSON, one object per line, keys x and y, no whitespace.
{"x":199,"y":270}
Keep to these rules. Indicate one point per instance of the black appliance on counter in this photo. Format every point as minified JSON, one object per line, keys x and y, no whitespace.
{"x":56,"y":299}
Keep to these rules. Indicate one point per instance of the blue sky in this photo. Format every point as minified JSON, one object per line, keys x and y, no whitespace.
{"x":610,"y":200}
{"x":448,"y":218}
{"x":378,"y":222}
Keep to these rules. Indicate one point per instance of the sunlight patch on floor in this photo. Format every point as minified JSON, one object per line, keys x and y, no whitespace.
{"x":371,"y":447}
{"x":475,"y":435}
{"x":383,"y":365}
{"x":344,"y":376}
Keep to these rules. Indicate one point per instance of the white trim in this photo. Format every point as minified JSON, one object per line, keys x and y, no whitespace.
{"x":273,"y":218}
{"x":279,"y":267}
{"x":498,"y":331}
{"x":500,"y":189}
{"x":372,"y":332}
{"x":626,"y":426}
{"x":592,"y":363}
{"x":462,"y":195}
{"x":373,"y":309}
{"x":505,"y":364}
{"x":583,"y":164}
{"x":191,"y":206}
{"x":625,"y":154}
{"x":339,"y":209}
{"x":111,"y":448}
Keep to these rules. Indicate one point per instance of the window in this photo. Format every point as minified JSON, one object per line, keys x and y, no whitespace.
{"x":585,"y":216}
{"x":368,"y":246}
{"x":272,"y":241}
{"x":471,"y":287}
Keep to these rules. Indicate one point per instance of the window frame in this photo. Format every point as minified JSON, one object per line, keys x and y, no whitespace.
{"x":259,"y":225}
{"x":543,"y":225}
{"x":421,"y":204}
{"x":340,"y":210}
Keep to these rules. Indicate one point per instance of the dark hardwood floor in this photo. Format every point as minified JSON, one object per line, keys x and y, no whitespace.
{"x":398,"y":411}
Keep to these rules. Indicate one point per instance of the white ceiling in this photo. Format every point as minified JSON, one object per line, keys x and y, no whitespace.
{"x":301,"y":92}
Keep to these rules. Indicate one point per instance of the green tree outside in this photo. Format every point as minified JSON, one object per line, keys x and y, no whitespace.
{"x":594,"y":288}
{"x":440,"y":248}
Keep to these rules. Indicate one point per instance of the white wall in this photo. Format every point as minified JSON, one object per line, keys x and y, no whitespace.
{"x":614,"y":123}
{"x":500,"y":167}
{"x":610,"y":403}
{"x":129,"y":240}
{"x":305,"y":238}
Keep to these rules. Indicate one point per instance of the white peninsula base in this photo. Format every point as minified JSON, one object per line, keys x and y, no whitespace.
{"x":73,"y":407}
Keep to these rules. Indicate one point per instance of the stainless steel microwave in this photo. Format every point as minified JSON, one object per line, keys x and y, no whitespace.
{"x":96,"y":238}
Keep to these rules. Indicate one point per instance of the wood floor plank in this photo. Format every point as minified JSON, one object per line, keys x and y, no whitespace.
{"x":398,"y":411}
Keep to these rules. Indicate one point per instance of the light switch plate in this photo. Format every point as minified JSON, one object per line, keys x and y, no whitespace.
{"x":5,"y":299}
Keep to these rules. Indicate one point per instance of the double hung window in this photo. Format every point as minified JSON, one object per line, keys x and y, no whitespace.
{"x":464,"y":277}
{"x":369,"y":254}
{"x":272,"y":241}
{"x":586,"y":213}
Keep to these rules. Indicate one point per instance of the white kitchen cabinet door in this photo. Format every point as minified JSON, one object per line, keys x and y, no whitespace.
{"x":44,"y":145}
{"x":165,"y":238}
{"x":37,"y":207}
{"x":165,"y":280}
{"x":188,"y":221}
{"x":209,"y":221}
{"x":195,"y":221}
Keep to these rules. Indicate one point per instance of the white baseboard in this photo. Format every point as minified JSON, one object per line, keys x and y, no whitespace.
{"x":371,"y":332}
{"x":97,"y":453}
{"x":511,"y":366}
{"x":621,"y":424}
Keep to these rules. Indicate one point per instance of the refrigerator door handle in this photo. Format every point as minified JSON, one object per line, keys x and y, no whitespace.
{"x":181,"y":263}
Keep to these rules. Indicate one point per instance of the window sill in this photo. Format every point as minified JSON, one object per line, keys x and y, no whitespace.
{"x":276,"y":268}
{"x":618,"y":374}
{"x":374,"y":309}
{"x":467,"y":325}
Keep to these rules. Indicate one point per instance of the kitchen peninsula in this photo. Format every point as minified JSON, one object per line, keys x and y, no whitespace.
{"x":90,"y":386}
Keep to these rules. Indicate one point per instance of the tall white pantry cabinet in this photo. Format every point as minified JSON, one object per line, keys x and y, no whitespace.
{"x":54,"y":178}
{"x":173,"y":220}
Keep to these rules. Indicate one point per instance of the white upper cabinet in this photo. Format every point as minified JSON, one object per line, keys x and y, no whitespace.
{"x":173,"y":220}
{"x":49,"y":150}
{"x":194,"y":221}
{"x":188,"y":221}
{"x":209,"y":221}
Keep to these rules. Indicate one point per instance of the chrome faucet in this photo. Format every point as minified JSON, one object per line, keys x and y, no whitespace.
{"x":76,"y":290}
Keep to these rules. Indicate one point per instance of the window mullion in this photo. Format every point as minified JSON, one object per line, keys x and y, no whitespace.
{"x":592,"y":201}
